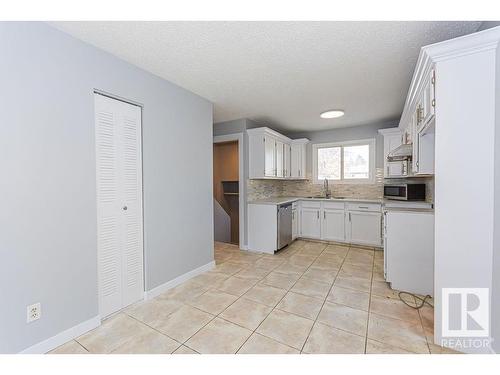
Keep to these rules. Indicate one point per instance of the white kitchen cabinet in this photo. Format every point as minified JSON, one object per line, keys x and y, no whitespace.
{"x":271,"y":155}
{"x":333,"y":225}
{"x":310,"y":222}
{"x":279,"y":153}
{"x":392,"y":140}
{"x":364,"y":227}
{"x":295,"y":221}
{"x":298,"y":158}
{"x":428,"y":100}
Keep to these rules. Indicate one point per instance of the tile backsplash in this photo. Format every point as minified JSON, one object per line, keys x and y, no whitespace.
{"x":262,"y":189}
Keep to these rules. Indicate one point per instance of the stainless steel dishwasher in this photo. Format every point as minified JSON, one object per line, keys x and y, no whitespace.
{"x":284,"y":225}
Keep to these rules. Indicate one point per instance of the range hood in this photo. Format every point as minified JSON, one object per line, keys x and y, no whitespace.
{"x":403,"y":152}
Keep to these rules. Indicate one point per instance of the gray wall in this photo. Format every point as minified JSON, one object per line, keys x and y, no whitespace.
{"x":488,"y":25}
{"x":48,"y":219}
{"x":347,"y":134}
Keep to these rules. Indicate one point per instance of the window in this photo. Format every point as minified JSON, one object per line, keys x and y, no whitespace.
{"x":346,"y":162}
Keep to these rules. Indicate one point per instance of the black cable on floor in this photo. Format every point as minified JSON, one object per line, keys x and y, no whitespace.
{"x":423,"y":301}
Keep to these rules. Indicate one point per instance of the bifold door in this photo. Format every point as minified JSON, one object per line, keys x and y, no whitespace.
{"x":119,"y":203}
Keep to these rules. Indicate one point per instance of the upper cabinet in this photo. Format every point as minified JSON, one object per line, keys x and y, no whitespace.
{"x":393,"y":138}
{"x":298,"y":158}
{"x":274,"y":156}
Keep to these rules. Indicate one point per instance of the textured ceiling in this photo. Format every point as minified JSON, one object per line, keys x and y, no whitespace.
{"x":280,"y":73}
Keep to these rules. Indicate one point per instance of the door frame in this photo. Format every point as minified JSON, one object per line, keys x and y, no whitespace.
{"x":141,"y":165}
{"x":241,"y":181}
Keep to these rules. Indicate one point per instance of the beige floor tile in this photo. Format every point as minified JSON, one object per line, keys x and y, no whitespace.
{"x":315,"y":245}
{"x":258,"y":344}
{"x":289,"y":329}
{"x":303,"y":261}
{"x":280,"y":280}
{"x":151,"y":342}
{"x":363,"y":285}
{"x":344,"y":317}
{"x":328,"y":340}
{"x":252,"y":273}
{"x":381,"y":288}
{"x":228,"y":268}
{"x":321,"y":274}
{"x":375,"y":347}
{"x":302,"y":305}
{"x":289,"y":268}
{"x":184,"y":292}
{"x":395,"y":332}
{"x":71,"y":347}
{"x":246,"y":313}
{"x":237,"y":286}
{"x":209,"y":278}
{"x":328,"y":265}
{"x":393,"y":308}
{"x":112,"y":333}
{"x":213,"y":301}
{"x":268,"y":264}
{"x":219,"y":337}
{"x":337,"y":250}
{"x":311,"y":288}
{"x":310,"y":252}
{"x":184,"y":323}
{"x":185,"y":350}
{"x":265,"y":294}
{"x":359,"y":271}
{"x":153,"y":311}
{"x":436,"y":349}
{"x":378,"y":274}
{"x":427,"y":317}
{"x":349,"y":297}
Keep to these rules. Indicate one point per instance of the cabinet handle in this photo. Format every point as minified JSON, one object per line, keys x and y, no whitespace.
{"x":299,"y":172}
{"x":363,"y":207}
{"x":349,"y":216}
{"x":318,"y":214}
{"x":324,"y":215}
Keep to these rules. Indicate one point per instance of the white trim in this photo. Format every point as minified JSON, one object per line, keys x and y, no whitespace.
{"x":149,"y":294}
{"x":448,"y":49}
{"x":241,"y":181}
{"x":63,"y":337}
{"x":371,"y":168}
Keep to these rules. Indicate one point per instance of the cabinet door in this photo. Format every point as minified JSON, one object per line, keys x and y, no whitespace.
{"x":393,"y":168}
{"x":364,"y":228}
{"x":428,"y":100}
{"x":310,"y":223}
{"x":295,"y":224}
{"x":333,"y":225}
{"x":270,"y":156}
{"x":286,"y":159}
{"x":295,"y":161}
{"x":280,"y":166}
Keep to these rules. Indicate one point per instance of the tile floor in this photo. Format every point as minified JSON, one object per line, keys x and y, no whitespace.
{"x":311,"y":297}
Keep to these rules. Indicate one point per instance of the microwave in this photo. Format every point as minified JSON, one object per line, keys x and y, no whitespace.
{"x":405,"y":192}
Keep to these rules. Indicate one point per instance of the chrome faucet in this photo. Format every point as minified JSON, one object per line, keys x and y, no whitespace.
{"x":328,"y":193}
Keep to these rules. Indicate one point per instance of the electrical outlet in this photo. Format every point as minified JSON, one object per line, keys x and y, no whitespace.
{"x":34,"y":312}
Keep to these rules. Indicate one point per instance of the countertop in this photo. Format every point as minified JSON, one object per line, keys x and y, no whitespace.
{"x":388,"y":204}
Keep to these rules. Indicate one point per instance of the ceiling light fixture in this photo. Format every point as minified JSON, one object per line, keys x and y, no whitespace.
{"x":334,"y":113}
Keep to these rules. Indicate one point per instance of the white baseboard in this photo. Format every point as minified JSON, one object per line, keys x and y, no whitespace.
{"x":63,"y":337}
{"x":149,"y":294}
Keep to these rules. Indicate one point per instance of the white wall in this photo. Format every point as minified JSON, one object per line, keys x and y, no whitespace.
{"x":48,"y":218}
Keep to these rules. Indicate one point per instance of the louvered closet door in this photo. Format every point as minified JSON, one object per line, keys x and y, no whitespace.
{"x":119,"y":203}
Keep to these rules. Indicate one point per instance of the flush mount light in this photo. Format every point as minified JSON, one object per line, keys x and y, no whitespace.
{"x":334,"y":113}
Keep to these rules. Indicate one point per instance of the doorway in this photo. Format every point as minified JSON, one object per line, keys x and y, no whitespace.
{"x":118,"y":130}
{"x":226,"y":192}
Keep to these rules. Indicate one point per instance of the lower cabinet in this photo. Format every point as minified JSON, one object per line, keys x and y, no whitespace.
{"x":356,"y":223}
{"x":333,"y":225}
{"x":364,"y":228}
{"x":310,"y":224}
{"x":295,"y":223}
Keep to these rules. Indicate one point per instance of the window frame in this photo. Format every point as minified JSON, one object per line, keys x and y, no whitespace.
{"x":359,"y":142}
